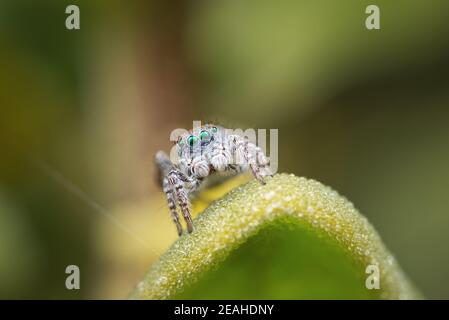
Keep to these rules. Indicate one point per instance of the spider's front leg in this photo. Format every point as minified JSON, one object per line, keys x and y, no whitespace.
{"x":177,"y":180}
{"x":172,"y":204}
{"x":165,"y":166}
{"x":252,"y":156}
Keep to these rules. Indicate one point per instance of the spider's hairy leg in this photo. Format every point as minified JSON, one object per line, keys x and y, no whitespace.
{"x":263,"y":161}
{"x":177,"y":180}
{"x":251,"y":153}
{"x":164,"y":166}
{"x":172,"y":205}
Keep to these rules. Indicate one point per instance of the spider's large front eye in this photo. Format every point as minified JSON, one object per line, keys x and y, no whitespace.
{"x":204,"y":135}
{"x":192,"y":140}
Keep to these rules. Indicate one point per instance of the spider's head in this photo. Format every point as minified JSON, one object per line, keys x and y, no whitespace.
{"x":196,"y":141}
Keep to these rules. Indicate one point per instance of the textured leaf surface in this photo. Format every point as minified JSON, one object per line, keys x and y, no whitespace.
{"x":291,"y":238}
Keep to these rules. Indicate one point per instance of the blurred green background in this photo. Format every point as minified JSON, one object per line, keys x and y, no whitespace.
{"x":83,"y":112}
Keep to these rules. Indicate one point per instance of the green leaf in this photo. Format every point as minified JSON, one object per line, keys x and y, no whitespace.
{"x":292,"y":238}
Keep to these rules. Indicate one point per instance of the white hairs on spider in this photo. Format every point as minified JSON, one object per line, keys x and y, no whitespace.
{"x":201,"y":152}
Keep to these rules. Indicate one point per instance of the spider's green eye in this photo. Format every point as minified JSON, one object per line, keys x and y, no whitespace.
{"x":204,"y":135}
{"x":180,"y":142}
{"x":214,"y":129}
{"x":192,"y":140}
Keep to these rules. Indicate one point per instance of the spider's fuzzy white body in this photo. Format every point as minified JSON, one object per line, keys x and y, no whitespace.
{"x":204,"y":151}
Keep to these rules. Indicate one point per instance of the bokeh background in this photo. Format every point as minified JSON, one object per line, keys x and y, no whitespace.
{"x":83,"y":112}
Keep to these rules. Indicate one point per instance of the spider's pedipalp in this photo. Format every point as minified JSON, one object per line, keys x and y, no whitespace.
{"x":221,"y":157}
{"x":200,"y":166}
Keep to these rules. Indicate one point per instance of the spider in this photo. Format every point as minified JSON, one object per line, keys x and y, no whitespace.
{"x":203,"y":151}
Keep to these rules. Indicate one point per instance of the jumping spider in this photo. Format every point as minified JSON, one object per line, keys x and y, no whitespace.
{"x":203,"y":151}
